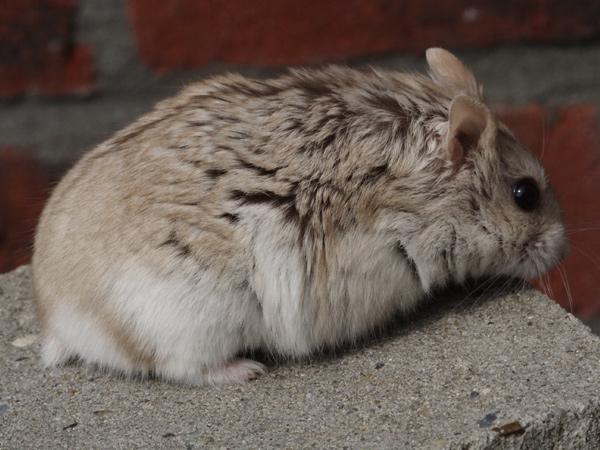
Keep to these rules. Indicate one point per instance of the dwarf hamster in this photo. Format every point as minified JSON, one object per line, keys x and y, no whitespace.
{"x":289,"y":215}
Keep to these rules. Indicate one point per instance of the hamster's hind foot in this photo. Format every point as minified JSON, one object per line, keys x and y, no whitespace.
{"x":236,"y":371}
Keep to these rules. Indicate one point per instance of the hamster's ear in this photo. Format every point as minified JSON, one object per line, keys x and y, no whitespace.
{"x":470,"y":125}
{"x":448,"y":71}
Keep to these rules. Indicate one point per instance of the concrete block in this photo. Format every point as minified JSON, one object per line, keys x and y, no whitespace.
{"x":502,"y":368}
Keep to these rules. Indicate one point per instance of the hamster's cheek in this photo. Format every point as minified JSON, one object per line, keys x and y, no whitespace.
{"x":548,"y":248}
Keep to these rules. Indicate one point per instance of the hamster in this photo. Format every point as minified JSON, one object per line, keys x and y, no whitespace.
{"x":287,"y":215}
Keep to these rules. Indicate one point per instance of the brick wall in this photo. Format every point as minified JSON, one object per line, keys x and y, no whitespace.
{"x":37,"y":53}
{"x":184,"y":33}
{"x":23,"y":189}
{"x":56,"y":56}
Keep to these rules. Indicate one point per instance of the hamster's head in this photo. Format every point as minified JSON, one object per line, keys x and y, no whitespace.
{"x":512,"y":214}
{"x":492,"y":211}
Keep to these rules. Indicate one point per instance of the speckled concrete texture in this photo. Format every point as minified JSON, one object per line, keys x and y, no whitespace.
{"x":452,"y":376}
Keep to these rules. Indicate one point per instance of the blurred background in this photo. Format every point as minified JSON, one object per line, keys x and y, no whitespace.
{"x":72,"y":72}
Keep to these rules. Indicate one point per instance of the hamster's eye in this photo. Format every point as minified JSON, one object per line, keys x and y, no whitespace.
{"x":526,"y":194}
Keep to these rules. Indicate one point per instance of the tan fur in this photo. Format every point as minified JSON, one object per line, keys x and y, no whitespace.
{"x":287,"y":214}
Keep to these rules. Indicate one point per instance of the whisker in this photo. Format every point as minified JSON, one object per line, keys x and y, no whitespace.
{"x":591,"y":257}
{"x":524,"y":284}
{"x":571,"y":230}
{"x":574,"y":186}
{"x":548,"y":287}
{"x":545,"y":130}
{"x":563,"y":275}
{"x":493,"y":282}
{"x":489,"y":282}
{"x":504,"y":285}
{"x":543,"y":286}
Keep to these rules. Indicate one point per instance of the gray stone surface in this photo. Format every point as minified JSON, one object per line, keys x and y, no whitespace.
{"x":444,"y":379}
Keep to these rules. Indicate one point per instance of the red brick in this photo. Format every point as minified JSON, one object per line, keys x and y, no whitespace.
{"x":23,"y":191}
{"x":37,"y":54}
{"x":174,"y":34}
{"x":568,"y":141}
